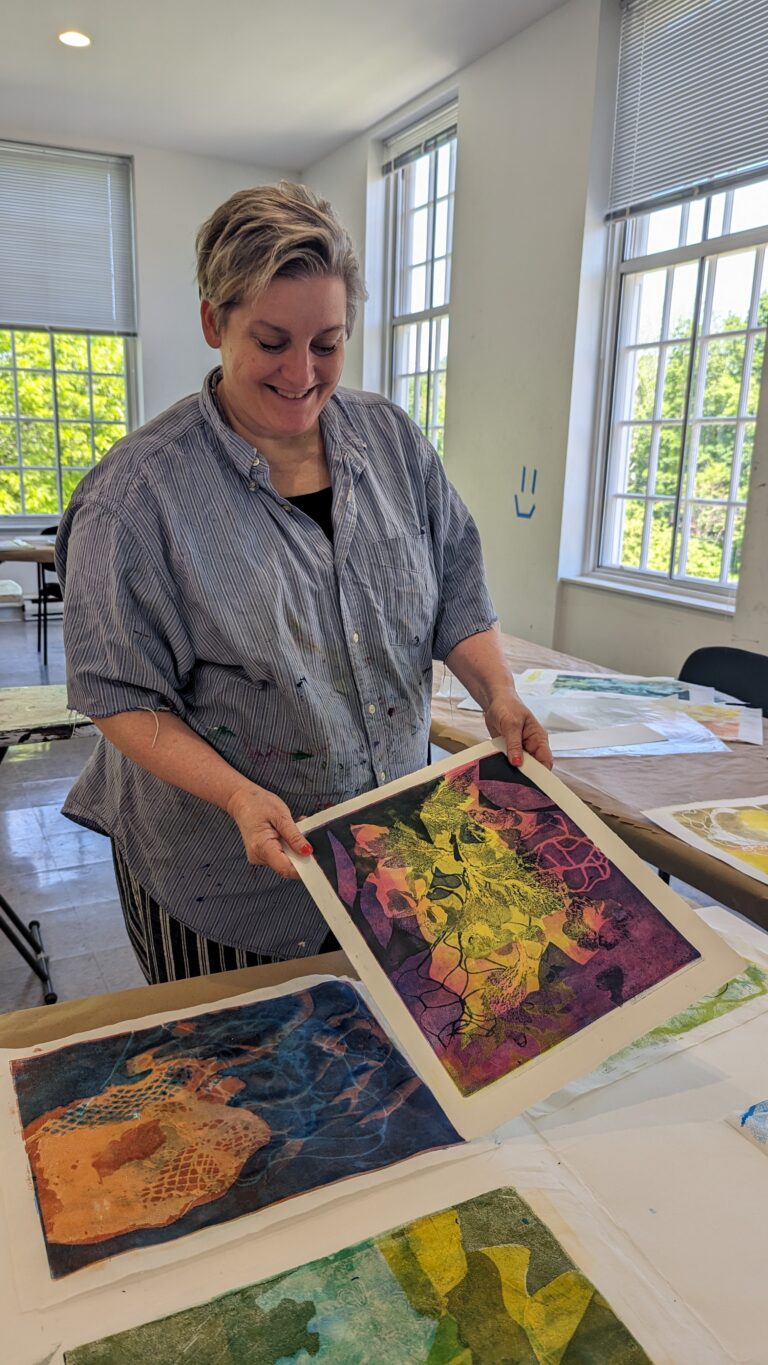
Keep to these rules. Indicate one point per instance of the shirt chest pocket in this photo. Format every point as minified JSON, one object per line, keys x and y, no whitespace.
{"x":404,"y":588}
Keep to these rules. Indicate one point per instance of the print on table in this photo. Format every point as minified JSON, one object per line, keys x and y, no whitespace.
{"x":630,"y":687}
{"x":753,"y":1123}
{"x":477,"y":1284}
{"x":734,"y":831}
{"x":501,"y":925}
{"x":139,"y":1138}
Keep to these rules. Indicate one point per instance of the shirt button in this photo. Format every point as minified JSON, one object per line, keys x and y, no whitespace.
{"x":258,"y":461}
{"x":371,"y":710}
{"x":382,"y":777}
{"x":355,"y":637}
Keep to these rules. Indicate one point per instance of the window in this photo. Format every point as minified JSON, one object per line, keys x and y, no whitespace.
{"x":692,"y":314}
{"x":687,"y":298}
{"x":63,"y":404}
{"x":422,"y":189}
{"x":67,"y":326}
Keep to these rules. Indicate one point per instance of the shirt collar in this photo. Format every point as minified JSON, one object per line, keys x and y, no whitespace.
{"x":342,"y":442}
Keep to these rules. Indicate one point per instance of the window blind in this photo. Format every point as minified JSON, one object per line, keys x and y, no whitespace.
{"x":421,"y":137}
{"x":66,"y":240}
{"x":692,"y":102}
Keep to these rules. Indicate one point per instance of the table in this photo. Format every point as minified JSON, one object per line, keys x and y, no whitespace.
{"x":642,"y":1152}
{"x":620,"y":789}
{"x":37,"y":550}
{"x":32,"y":715}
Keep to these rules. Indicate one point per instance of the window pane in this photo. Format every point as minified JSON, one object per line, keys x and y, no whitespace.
{"x":441,"y":228}
{"x":438,"y":400}
{"x":644,"y":305}
{"x":677,"y":361}
{"x":418,"y":236}
{"x":10,"y":493}
{"x":762,"y":306}
{"x":424,"y":334}
{"x":417,"y":294}
{"x":70,"y":478}
{"x":421,"y":410}
{"x":75,"y":443}
{"x":405,"y":349}
{"x":33,"y":350}
{"x":725,"y":369}
{"x":644,"y":367}
{"x":733,"y":289}
{"x":8,"y":443}
{"x":668,"y":460}
{"x":663,"y":229}
{"x":442,"y":343}
{"x":35,"y":394}
{"x":695,"y":230}
{"x":444,"y":176}
{"x":73,"y":395}
{"x":705,"y":542}
{"x":638,"y":456}
{"x":632,"y":534}
{"x":71,"y":352}
{"x":7,"y":398}
{"x":750,"y":206}
{"x":40,"y":492}
{"x":716,"y":215}
{"x":38,"y":443}
{"x":660,"y":538}
{"x":108,"y":354}
{"x":746,"y":459}
{"x":753,"y":393}
{"x":6,"y":349}
{"x":683,"y":300}
{"x":439,"y":291}
{"x":714,"y":461}
{"x":734,"y":568}
{"x":108,"y":398}
{"x":418,"y":180}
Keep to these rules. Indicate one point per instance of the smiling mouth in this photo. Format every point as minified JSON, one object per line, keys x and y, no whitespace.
{"x":292,"y":397}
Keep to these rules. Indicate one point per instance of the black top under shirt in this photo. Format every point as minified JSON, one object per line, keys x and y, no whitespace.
{"x":319,"y":507}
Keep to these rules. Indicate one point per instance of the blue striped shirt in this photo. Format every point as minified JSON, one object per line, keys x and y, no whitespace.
{"x":190,"y":585}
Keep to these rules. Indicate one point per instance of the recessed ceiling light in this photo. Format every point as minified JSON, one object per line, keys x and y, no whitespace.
{"x":74,"y":39}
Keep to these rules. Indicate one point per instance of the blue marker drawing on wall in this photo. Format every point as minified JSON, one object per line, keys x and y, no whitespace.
{"x":520,"y":511}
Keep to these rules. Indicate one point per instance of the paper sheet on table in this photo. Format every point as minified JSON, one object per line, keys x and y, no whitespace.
{"x":557,"y":680}
{"x":677,"y":732}
{"x":735,"y":724}
{"x":733,"y":830}
{"x":606,"y":741}
{"x":643,"y":1300}
{"x":752,"y":1123}
{"x":730,"y":1007}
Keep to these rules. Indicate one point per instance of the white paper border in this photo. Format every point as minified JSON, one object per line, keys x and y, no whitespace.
{"x":538,"y":1078}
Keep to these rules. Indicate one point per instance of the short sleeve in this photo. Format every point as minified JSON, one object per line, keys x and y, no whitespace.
{"x":465,"y":607}
{"x":125,"y":640}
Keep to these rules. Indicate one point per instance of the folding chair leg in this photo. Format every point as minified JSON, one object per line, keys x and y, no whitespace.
{"x":39,"y":604}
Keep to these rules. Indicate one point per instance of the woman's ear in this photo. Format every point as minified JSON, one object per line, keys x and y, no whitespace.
{"x":211,"y":329}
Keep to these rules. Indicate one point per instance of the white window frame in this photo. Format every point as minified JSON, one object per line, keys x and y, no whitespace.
{"x":398,"y":266}
{"x":621,"y":264}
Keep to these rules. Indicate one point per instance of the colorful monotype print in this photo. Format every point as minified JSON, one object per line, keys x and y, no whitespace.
{"x":502,"y":927}
{"x":478,"y":1284}
{"x":138,"y":1138}
{"x":627,"y":687}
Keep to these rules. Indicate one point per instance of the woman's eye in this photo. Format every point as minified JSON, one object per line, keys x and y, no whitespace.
{"x":270,"y":345}
{"x":325,"y":350}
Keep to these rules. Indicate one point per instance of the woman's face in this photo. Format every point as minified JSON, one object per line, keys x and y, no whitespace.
{"x":281,"y":354}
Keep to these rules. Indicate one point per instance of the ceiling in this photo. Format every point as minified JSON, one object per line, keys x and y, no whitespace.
{"x":273,"y":83}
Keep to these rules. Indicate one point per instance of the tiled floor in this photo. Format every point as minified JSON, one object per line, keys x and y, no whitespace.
{"x":51,"y":869}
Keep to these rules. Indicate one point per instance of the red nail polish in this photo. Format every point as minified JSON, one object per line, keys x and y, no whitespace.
{"x":307,"y":849}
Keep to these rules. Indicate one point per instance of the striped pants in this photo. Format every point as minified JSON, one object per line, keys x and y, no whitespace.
{"x":165,"y":948}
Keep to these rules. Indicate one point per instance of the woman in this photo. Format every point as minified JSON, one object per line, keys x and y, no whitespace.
{"x":256,"y":583}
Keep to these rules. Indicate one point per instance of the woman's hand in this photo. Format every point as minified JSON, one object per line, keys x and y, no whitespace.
{"x":264,"y":820}
{"x":507,"y":716}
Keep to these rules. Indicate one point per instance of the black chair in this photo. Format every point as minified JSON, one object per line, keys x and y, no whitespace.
{"x":48,"y":590}
{"x":739,"y":672}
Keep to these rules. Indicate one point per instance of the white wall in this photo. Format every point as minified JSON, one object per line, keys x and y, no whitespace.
{"x":526,"y":114}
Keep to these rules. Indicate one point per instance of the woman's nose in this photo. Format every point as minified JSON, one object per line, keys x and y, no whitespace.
{"x":297,"y":368}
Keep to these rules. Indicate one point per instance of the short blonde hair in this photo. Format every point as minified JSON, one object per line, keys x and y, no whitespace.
{"x":268,"y":231}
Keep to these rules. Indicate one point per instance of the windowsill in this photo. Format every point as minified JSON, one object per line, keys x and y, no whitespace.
{"x":649,"y":593}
